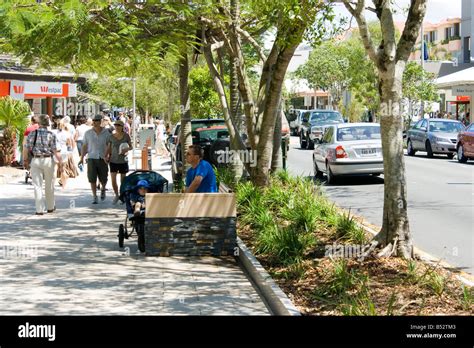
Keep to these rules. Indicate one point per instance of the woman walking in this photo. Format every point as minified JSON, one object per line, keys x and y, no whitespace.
{"x":118,"y":146}
{"x":66,"y":144}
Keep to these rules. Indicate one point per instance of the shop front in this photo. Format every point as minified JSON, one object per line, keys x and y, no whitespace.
{"x":43,"y":97}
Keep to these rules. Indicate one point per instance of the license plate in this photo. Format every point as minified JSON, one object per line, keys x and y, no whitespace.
{"x":368,"y":152}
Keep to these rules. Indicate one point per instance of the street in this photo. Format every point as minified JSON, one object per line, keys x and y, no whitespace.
{"x":440,"y":202}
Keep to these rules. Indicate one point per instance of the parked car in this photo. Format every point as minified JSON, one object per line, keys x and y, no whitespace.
{"x":349,"y":149}
{"x":204,"y":132}
{"x":465,"y":145}
{"x":313,"y":123}
{"x":412,"y":124}
{"x":294,"y":117}
{"x":435,"y":136}
{"x":285,"y":132}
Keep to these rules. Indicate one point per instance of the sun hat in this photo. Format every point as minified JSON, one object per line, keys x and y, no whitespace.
{"x":143,"y":183}
{"x":97,"y":118}
{"x":119,"y":123}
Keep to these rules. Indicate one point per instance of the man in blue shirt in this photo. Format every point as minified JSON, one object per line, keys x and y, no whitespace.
{"x":200,"y":177}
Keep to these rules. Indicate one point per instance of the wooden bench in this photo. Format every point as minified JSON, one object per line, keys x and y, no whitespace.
{"x":190,"y":224}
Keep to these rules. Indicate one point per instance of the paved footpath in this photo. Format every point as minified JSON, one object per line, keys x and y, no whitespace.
{"x":69,"y":263}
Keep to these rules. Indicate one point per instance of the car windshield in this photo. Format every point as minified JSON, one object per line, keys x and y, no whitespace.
{"x":210,"y":134}
{"x":358,"y":133}
{"x":326,"y":117}
{"x":207,"y":124}
{"x":445,"y":127}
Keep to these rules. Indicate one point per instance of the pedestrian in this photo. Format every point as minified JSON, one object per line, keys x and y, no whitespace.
{"x":117,"y":147}
{"x":200,"y":177}
{"x":160,"y":135}
{"x":43,"y":145}
{"x":66,"y":145}
{"x":80,"y":131}
{"x":107,"y":124}
{"x":32,"y":127}
{"x":95,"y":147}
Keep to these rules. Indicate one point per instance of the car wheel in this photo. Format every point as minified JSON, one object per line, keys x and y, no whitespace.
{"x":450,"y":155}
{"x":461,"y":157}
{"x":302,"y":142}
{"x":410,"y":150}
{"x":317,"y":173}
{"x":331,"y":179}
{"x":429,"y":150}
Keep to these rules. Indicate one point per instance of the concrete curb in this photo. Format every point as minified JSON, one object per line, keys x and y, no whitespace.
{"x":463,"y":277}
{"x":275,"y":299}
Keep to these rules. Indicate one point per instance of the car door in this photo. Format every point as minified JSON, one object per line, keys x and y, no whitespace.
{"x":413,"y":134}
{"x":468,"y":141}
{"x":423,"y":134}
{"x":323,"y":147}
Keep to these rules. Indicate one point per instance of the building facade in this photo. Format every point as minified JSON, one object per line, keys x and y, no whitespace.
{"x":467,"y":30}
{"x":443,"y":40}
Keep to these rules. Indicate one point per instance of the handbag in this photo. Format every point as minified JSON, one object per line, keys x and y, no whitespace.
{"x":30,"y":152}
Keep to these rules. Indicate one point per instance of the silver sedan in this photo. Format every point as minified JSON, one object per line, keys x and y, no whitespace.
{"x":435,"y":136}
{"x":349,"y":149}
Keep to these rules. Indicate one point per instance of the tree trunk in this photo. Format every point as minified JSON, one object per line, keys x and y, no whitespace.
{"x":260,"y":175}
{"x":236,"y":114}
{"x":186,"y":139}
{"x":277,"y":162}
{"x":395,"y":227}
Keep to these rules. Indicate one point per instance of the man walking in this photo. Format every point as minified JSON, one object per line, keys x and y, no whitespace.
{"x":95,"y":145}
{"x":42,"y":144}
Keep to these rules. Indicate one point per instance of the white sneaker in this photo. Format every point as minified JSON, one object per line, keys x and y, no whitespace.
{"x":116,"y":199}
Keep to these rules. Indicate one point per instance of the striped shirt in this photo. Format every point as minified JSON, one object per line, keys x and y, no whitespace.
{"x":46,"y":143}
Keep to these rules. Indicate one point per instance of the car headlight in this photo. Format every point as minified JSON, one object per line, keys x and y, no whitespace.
{"x":439,"y":140}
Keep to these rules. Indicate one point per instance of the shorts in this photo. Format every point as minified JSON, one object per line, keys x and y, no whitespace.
{"x":121,"y":168}
{"x":97,"y":168}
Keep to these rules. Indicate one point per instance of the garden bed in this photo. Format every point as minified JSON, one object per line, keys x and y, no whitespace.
{"x":314,"y":252}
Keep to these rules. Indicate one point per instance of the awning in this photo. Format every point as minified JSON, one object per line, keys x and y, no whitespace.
{"x":461,"y":78}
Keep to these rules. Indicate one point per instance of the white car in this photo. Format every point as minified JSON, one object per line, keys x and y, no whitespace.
{"x":349,"y":149}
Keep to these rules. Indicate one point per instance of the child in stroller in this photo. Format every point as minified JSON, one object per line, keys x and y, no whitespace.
{"x":133,"y":191}
{"x":137,"y":199}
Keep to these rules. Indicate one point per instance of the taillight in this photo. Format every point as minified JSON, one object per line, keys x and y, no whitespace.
{"x":340,"y":152}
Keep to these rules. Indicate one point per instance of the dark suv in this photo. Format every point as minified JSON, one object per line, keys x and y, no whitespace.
{"x":313,"y":123}
{"x":211,"y":134}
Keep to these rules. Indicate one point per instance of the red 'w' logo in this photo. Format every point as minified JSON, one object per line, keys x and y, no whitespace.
{"x":44,"y":89}
{"x":19,"y":89}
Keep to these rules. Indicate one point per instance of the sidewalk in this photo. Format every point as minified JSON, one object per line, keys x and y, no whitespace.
{"x":69,"y":263}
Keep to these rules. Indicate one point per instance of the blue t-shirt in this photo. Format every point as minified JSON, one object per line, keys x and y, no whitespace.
{"x":204,"y":169}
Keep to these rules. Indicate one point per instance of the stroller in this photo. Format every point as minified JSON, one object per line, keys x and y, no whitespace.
{"x":158,"y":184}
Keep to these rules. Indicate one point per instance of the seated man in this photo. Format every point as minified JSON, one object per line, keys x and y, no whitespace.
{"x":137,"y":199}
{"x":200,"y":177}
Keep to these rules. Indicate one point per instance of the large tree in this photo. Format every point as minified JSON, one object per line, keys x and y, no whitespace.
{"x":290,"y":21}
{"x":390,"y":57}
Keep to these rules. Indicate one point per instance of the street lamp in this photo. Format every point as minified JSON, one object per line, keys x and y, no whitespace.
{"x":134,"y":136}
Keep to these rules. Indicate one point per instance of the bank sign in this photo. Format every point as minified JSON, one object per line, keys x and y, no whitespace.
{"x":36,"y":89}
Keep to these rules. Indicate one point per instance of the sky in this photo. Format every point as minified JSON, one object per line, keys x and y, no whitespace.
{"x":436,"y":10}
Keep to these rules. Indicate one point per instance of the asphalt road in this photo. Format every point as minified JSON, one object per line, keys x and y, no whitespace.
{"x":440,"y":202}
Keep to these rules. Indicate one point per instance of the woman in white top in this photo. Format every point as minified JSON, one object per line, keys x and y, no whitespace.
{"x":80,"y":131}
{"x":65,"y":143}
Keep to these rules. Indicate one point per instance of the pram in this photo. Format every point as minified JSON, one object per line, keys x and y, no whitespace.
{"x":158,"y":184}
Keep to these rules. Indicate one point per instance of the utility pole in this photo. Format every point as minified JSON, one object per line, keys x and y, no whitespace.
{"x":422,"y":102}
